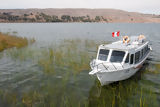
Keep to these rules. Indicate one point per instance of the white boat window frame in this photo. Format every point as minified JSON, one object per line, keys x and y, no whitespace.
{"x":124,"y":58}
{"x":137,"y":55}
{"x":98,"y":54}
{"x":133,"y":58}
{"x":110,"y":53}
{"x":128,"y":55}
{"x":141,"y":57}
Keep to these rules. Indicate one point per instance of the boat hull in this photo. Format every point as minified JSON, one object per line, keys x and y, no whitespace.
{"x":110,"y":77}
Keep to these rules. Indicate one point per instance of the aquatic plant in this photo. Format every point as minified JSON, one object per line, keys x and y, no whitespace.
{"x":67,"y":54}
{"x":153,"y":68}
{"x":8,"y":41}
{"x":14,"y":32}
{"x":63,"y":68}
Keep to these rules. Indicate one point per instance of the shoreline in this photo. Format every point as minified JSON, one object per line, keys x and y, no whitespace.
{"x":80,"y":22}
{"x":75,"y":16}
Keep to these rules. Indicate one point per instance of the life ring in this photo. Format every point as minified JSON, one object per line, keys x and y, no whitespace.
{"x":126,"y":39}
{"x":140,"y":37}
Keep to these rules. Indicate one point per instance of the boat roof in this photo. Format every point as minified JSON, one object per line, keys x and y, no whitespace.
{"x":119,"y":45}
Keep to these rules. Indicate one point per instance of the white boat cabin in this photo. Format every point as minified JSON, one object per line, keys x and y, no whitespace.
{"x":121,"y":54}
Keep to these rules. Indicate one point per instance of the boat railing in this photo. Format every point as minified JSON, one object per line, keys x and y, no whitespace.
{"x":104,"y":66}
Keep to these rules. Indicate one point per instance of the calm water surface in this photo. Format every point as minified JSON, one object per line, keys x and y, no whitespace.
{"x":37,"y":76}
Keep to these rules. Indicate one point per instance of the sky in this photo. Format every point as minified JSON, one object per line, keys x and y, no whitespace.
{"x":143,"y":6}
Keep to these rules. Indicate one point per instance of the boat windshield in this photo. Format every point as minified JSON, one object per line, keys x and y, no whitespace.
{"x":117,"y":56}
{"x":103,"y":54}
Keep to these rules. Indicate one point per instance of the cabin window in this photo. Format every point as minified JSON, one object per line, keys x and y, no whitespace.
{"x":131,"y":58}
{"x":137,"y":56}
{"x":103,"y":54}
{"x":127,"y":59}
{"x":117,"y":56}
{"x":141,"y":53}
{"x":148,"y":48}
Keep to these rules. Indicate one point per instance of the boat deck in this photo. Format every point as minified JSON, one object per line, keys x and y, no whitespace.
{"x":134,"y":43}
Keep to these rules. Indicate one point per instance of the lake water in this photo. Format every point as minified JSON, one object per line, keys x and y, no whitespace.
{"x":54,"y":70}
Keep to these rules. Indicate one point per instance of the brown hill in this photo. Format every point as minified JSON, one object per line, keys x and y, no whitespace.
{"x":105,"y":15}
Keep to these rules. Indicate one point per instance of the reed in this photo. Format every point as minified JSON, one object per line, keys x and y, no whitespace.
{"x":152,"y":69}
{"x":63,"y":64}
{"x":69,"y":54}
{"x":8,"y":41}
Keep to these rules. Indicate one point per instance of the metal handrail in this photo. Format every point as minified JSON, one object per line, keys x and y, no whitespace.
{"x":114,"y":66}
{"x":106,"y":67}
{"x":122,"y":65}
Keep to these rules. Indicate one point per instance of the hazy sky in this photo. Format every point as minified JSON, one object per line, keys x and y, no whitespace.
{"x":145,"y":6}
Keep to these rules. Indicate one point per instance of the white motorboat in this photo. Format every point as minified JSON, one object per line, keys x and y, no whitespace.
{"x":120,"y":60}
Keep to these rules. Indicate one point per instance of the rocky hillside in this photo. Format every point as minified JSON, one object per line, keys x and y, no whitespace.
{"x":76,"y":15}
